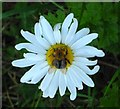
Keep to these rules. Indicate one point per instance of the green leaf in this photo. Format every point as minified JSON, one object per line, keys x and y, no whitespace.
{"x":112,"y":98}
{"x":111,"y":92}
{"x":112,"y":80}
{"x":57,"y":17}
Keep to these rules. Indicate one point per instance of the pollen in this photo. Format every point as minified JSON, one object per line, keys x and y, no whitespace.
{"x":59,"y":56}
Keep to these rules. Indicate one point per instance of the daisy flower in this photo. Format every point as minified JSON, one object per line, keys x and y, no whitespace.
{"x":59,"y":57}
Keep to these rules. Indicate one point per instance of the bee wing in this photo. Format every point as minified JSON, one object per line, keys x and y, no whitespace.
{"x":51,"y":70}
{"x":63,"y":70}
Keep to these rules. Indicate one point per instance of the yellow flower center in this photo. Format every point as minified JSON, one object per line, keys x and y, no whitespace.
{"x":59,"y":56}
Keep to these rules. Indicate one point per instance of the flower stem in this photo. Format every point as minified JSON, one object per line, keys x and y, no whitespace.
{"x":89,"y":96}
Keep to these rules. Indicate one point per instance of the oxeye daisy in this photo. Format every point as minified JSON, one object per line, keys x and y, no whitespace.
{"x":59,"y":57}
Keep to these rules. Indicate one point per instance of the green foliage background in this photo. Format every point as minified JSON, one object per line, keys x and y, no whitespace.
{"x":102,"y":18}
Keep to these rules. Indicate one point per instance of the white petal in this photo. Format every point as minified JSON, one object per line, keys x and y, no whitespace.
{"x":62,"y":84}
{"x":38,"y":30}
{"x":29,"y":75}
{"x":43,"y":42}
{"x":41,"y":73}
{"x":23,"y":63}
{"x":84,"y":41}
{"x":86,"y":69}
{"x":72,"y":31}
{"x":32,"y":56}
{"x":57,"y":36}
{"x":65,"y":26}
{"x":28,"y":36}
{"x":54,"y":84}
{"x":47,"y":30}
{"x":81,"y":33}
{"x":85,"y":61}
{"x":75,"y":78}
{"x":84,"y":77}
{"x":57,"y":26}
{"x":89,"y":51}
{"x":46,"y":81}
{"x":45,"y":93}
{"x":30,"y":47}
{"x":71,"y":87}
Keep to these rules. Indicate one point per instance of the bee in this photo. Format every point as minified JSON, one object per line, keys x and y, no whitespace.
{"x":59,"y":58}
{"x":60,"y":64}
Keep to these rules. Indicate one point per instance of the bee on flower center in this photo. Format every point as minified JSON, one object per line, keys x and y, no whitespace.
{"x":59,"y":56}
{"x":60,"y":60}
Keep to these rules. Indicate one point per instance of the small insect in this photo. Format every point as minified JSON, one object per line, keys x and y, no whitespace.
{"x":60,"y":64}
{"x":60,"y":61}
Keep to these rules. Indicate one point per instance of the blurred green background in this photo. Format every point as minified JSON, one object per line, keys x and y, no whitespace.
{"x":102,"y":18}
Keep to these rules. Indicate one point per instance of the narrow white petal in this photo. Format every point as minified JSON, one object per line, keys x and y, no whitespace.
{"x":75,"y":78}
{"x":32,"y":56}
{"x":84,"y":40}
{"x":47,"y":30}
{"x":71,"y":31}
{"x":85,"y":61}
{"x":23,"y":63}
{"x":41,"y":73}
{"x":27,"y":77}
{"x":62,"y":84}
{"x":38,"y":30}
{"x":89,"y":51}
{"x":57,"y":36}
{"x":71,"y":87}
{"x":46,"y":81}
{"x":57,"y":26}
{"x":54,"y":84}
{"x":86,"y":69}
{"x":43,"y":42}
{"x":28,"y":36}
{"x":81,"y":33}
{"x":84,"y":77}
{"x":45,"y":93}
{"x":65,"y":26}
{"x":30,"y":47}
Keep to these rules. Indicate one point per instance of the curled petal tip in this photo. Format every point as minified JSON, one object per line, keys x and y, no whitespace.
{"x":92,"y":85}
{"x":71,"y":14}
{"x":12,"y":63}
{"x":101,"y":53}
{"x":72,"y":97}
{"x":21,"y":31}
{"x":41,"y":17}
